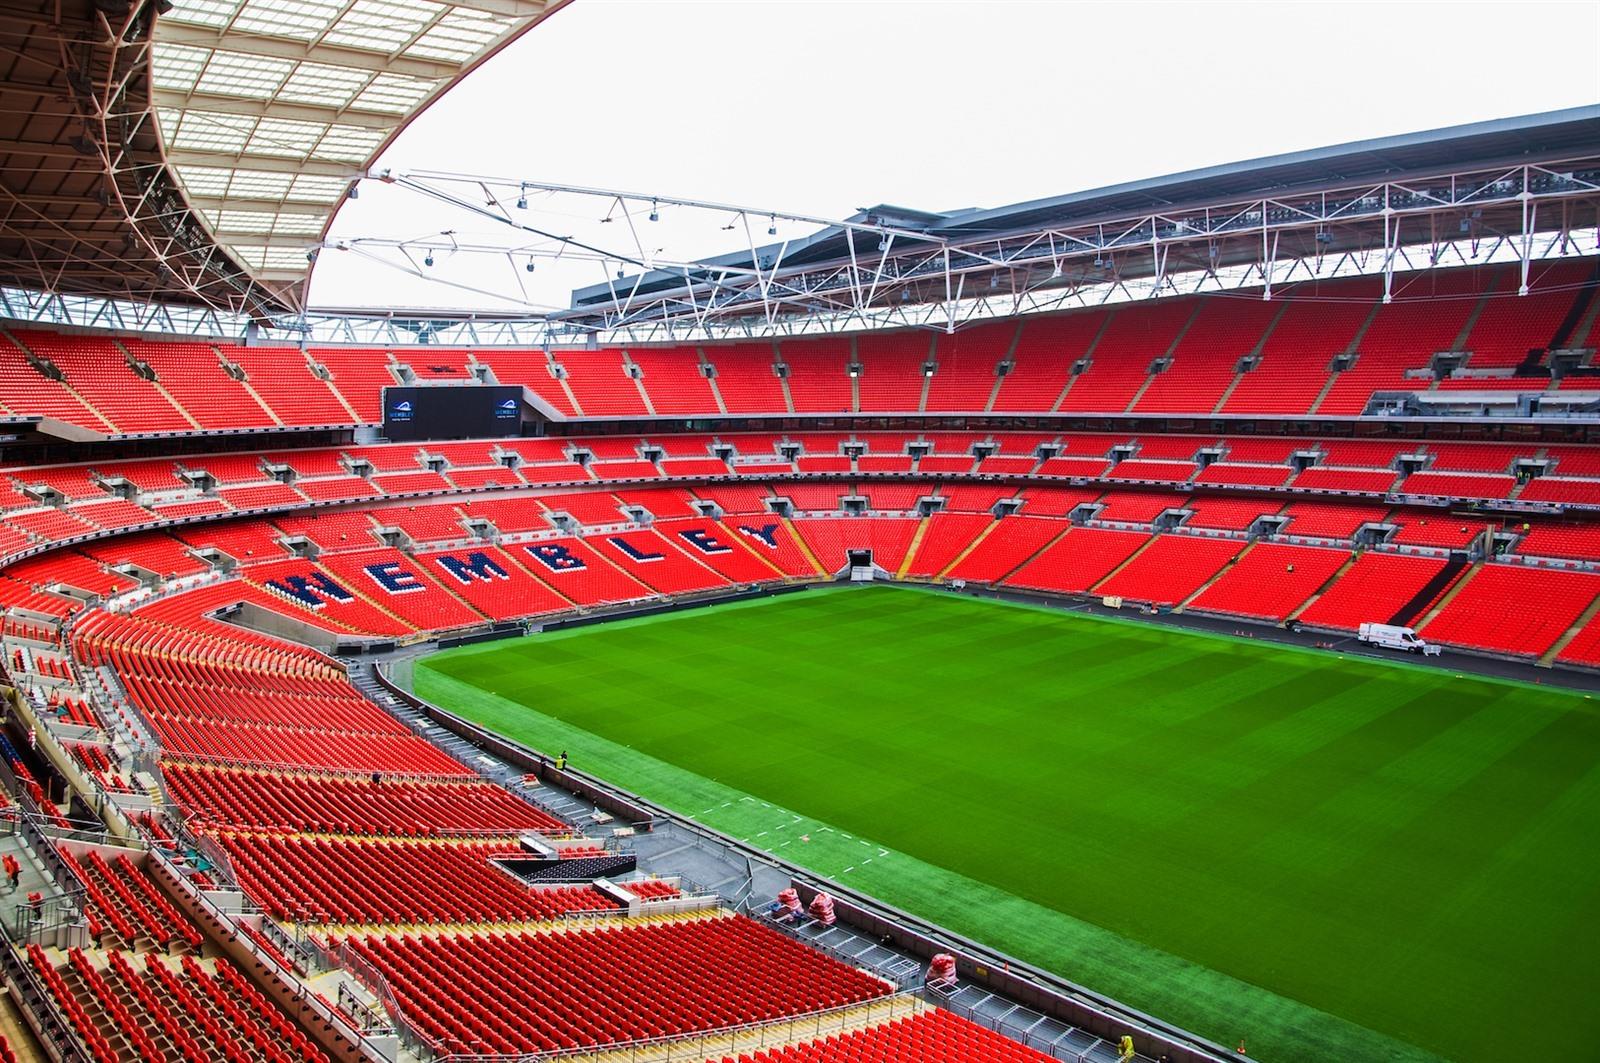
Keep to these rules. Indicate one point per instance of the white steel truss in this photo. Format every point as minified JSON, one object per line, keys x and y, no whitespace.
{"x":880,"y":273}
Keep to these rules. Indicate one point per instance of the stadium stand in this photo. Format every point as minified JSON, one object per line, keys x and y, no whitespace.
{"x":359,"y":376}
{"x":819,"y":380}
{"x":673,"y":380}
{"x":1011,"y":543}
{"x":831,"y":540}
{"x":745,"y":378}
{"x":657,"y":562}
{"x":1124,"y":352}
{"x":1077,"y":560}
{"x":1513,"y":610}
{"x":1296,"y":355}
{"x":1206,"y":359}
{"x":259,"y":761}
{"x":946,"y":537}
{"x":728,"y":971}
{"x":226,"y":796}
{"x":368,"y":882}
{"x":1170,"y":569}
{"x":1268,"y":581}
{"x":892,"y":377}
{"x":965,"y":377}
{"x":1376,"y":589}
{"x":192,"y":375}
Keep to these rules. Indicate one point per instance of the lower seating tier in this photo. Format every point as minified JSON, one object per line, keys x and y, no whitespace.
{"x":224,"y":796}
{"x":336,"y":880}
{"x":126,"y":1008}
{"x":538,"y":992}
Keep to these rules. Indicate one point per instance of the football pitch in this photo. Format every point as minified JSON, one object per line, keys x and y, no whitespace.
{"x":1337,"y":859}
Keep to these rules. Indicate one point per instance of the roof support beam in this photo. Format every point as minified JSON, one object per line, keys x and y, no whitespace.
{"x":290,"y":208}
{"x":332,"y":55}
{"x":298,"y":112}
{"x":270,"y":163}
{"x":247,"y":238}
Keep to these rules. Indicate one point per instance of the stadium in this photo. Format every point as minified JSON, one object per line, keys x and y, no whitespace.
{"x":1154,"y":622}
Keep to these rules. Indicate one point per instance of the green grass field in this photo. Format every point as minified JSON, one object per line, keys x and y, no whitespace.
{"x":1338,"y":859}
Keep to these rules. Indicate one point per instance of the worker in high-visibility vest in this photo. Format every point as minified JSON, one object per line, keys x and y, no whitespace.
{"x":1125,"y":1049}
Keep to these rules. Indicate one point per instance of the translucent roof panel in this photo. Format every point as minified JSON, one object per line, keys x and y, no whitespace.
{"x":268,"y":109}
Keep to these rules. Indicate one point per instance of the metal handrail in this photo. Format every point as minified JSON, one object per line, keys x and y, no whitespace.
{"x":34,"y":994}
{"x":331,"y":1016}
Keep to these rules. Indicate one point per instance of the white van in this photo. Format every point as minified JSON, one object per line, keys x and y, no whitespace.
{"x":1391,"y":637}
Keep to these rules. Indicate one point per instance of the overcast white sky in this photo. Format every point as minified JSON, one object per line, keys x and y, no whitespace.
{"x":825,"y":106}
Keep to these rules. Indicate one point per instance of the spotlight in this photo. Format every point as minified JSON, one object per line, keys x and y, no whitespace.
{"x":772,"y":226}
{"x":428,"y":261}
{"x":529,"y":266}
{"x":353,"y":192}
{"x":883,"y":243}
{"x":522,"y":202}
{"x":655,"y":214}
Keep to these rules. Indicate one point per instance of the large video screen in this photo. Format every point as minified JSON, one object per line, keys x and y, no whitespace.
{"x":469,"y":411}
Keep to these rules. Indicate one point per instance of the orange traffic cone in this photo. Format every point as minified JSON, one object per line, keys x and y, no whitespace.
{"x":1240,"y":1049}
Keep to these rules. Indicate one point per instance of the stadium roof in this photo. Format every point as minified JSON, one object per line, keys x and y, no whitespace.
{"x":1478,"y":147}
{"x":1526,"y":138}
{"x":194,"y":155}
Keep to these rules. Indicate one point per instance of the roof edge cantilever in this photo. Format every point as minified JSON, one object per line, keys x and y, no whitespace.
{"x":1575,"y":125}
{"x":326,"y":98}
